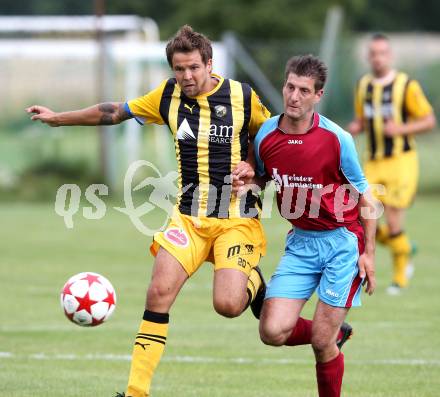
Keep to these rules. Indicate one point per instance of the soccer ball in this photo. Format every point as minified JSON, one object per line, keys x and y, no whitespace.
{"x":88,"y":299}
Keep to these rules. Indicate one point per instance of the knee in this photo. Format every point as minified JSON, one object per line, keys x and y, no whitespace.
{"x":227,"y":307}
{"x":321,"y":344}
{"x":271,"y":335}
{"x":159,"y":293}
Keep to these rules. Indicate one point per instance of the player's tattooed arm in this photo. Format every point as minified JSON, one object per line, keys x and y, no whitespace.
{"x":108,"y":113}
{"x":112,"y":113}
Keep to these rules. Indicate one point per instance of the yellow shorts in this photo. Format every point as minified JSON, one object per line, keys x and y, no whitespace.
{"x":236,"y":243}
{"x":399,"y":174}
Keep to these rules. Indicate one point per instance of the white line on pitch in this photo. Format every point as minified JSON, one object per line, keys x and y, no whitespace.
{"x":213,"y":360}
{"x":68,"y":327}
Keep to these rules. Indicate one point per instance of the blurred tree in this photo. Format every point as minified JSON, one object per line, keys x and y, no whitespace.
{"x":45,"y":7}
{"x":404,"y":15}
{"x":252,"y":18}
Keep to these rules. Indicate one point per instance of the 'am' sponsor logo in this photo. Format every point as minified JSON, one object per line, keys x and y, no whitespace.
{"x":221,"y":133}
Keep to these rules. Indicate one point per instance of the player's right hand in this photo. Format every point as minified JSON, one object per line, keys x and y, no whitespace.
{"x":355,"y":127}
{"x":45,"y":115}
{"x":367,"y":272}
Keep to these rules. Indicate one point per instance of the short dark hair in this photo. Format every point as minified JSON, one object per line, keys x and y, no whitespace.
{"x":309,"y":66}
{"x":187,"y":40}
{"x":379,"y":36}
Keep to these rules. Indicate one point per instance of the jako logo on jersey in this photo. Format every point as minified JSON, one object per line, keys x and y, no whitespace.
{"x":185,"y":131}
{"x":178,"y":237}
{"x":295,"y":142}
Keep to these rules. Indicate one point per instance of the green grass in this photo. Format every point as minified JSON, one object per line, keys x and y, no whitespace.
{"x":395,"y":352}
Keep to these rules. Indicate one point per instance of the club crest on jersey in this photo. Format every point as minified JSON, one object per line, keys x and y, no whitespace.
{"x":177,"y":237}
{"x":220,"y":110}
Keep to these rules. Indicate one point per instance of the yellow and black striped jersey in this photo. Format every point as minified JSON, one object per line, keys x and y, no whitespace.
{"x":211,"y":136}
{"x":401,"y":100}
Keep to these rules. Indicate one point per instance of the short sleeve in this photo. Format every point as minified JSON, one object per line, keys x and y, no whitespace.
{"x":350,"y":165}
{"x":259,"y":164}
{"x":358,"y":103}
{"x":267,"y":127}
{"x":146,"y":109}
{"x":259,"y":114}
{"x":416,"y":103}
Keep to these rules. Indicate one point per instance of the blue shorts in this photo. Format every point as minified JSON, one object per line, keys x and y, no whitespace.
{"x":325,"y":261}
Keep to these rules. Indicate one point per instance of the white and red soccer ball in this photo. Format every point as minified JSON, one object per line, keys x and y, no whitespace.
{"x":88,"y":299}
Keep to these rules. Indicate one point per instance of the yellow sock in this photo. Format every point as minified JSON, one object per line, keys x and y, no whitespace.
{"x":382,"y":234}
{"x":253,"y":284}
{"x":147,"y":351}
{"x":401,"y":249}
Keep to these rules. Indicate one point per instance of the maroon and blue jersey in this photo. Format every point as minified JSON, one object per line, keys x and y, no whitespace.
{"x":317,"y":175}
{"x":318,"y":180}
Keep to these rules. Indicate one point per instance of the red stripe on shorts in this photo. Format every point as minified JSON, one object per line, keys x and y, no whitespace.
{"x":354,"y":287}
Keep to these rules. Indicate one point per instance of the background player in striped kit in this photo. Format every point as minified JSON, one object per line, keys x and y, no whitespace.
{"x":391,"y":108}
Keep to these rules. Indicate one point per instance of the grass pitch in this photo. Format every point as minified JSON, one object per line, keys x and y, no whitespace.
{"x":395,"y":351}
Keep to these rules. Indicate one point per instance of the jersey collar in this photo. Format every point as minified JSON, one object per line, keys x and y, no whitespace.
{"x":385,"y":80}
{"x":315,"y":123}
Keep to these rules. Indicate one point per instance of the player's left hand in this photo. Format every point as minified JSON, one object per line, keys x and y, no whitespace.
{"x":391,"y":128}
{"x":242,"y":175}
{"x":367,"y":272}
